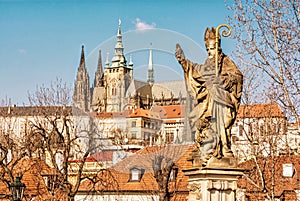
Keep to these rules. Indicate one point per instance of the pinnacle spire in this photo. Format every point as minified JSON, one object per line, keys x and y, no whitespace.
{"x":130,"y":61}
{"x":119,"y":30}
{"x":106,"y":61}
{"x":119,"y":44}
{"x":150,"y":79}
{"x":99,"y":67}
{"x":119,"y":58}
{"x":98,"y":82}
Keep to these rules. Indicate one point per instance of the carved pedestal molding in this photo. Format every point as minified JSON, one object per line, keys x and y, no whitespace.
{"x":212,"y":184}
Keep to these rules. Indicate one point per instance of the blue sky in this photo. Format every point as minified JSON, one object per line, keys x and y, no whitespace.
{"x":41,"y":40}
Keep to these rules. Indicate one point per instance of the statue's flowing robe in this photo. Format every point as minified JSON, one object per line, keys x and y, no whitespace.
{"x":218,"y":101}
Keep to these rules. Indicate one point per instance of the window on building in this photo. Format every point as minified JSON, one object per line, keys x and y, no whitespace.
{"x":173,"y":174}
{"x":241,"y":130}
{"x":261,"y":129}
{"x":133,"y":135}
{"x":288,"y":170}
{"x":152,"y":125}
{"x":133,"y":124}
{"x":114,"y":91}
{"x":146,"y":136}
{"x":169,"y":136}
{"x":136,"y":174}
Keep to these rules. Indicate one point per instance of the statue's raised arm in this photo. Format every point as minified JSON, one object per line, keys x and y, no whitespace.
{"x":180,"y":56}
{"x":217,"y":86}
{"x":179,"y":53}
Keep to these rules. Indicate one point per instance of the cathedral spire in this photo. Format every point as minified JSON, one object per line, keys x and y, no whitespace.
{"x":150,"y":78}
{"x":119,"y":58}
{"x":81,"y":97}
{"x":119,"y":46}
{"x":119,"y":35}
{"x":99,"y":67}
{"x":98,"y":82}
{"x":82,"y":59}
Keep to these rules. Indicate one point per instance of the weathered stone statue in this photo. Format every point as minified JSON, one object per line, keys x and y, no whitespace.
{"x":217,"y":87}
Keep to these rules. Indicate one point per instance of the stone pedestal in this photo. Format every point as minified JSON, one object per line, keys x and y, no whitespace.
{"x":212,"y":183}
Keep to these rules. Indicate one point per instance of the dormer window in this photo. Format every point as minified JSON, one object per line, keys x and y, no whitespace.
{"x":287,"y":170}
{"x":136,"y":174}
{"x":173,"y":174}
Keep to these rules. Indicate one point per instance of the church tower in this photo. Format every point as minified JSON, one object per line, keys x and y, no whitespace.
{"x":117,"y":77}
{"x":81,"y":97}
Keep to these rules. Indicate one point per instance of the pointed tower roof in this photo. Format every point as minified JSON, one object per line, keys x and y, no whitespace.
{"x":150,"y":78}
{"x":119,"y":37}
{"x":82,"y":59}
{"x":99,"y":66}
{"x":119,"y":58}
{"x":81,"y":97}
{"x":98,"y":82}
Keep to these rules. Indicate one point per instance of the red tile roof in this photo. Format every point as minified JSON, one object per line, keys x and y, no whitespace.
{"x":100,"y":156}
{"x":139,"y":112}
{"x":260,"y":111}
{"x":170,"y":111}
{"x":250,"y":111}
{"x":144,"y":113}
{"x":32,"y":171}
{"x":119,"y":175}
{"x":282,"y":184}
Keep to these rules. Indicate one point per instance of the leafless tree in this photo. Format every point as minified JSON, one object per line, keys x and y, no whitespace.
{"x":263,"y":141}
{"x":261,"y":137}
{"x":164,"y":163}
{"x":268,"y":49}
{"x":268,"y":35}
{"x":11,"y":152}
{"x":61,"y":131}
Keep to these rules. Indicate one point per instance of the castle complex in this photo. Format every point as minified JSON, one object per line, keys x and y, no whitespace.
{"x":114,"y":88}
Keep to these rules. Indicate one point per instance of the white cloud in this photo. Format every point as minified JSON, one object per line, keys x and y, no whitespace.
{"x":22,"y":51}
{"x":142,"y":26}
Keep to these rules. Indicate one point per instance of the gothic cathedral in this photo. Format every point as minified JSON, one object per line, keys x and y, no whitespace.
{"x":115,"y":89}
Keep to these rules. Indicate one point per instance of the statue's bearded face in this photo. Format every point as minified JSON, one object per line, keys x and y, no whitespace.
{"x":211,"y":49}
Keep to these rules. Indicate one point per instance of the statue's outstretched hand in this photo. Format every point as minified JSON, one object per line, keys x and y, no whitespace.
{"x":179,"y":53}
